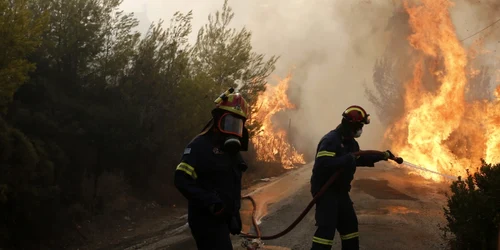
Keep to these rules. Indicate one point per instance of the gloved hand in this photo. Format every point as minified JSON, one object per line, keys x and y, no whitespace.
{"x":216,"y":209}
{"x":235,"y":225}
{"x":389,"y":155}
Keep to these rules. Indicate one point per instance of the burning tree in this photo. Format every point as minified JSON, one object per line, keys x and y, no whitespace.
{"x":446,"y":119}
{"x":271,"y":143}
{"x":389,"y":97}
{"x":388,"y":71}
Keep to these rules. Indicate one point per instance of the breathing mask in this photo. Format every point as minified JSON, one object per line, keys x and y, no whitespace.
{"x":232,"y":127}
{"x":355,"y":128}
{"x":358,"y":133}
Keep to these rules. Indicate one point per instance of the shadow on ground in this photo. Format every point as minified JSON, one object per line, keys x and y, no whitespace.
{"x":380,"y":189}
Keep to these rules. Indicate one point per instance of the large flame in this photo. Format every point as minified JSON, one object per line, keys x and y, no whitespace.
{"x":271,"y":142}
{"x":440,"y":130}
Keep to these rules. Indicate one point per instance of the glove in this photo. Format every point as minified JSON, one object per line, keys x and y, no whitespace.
{"x":388,"y":155}
{"x":235,"y":225}
{"x":217,"y":209}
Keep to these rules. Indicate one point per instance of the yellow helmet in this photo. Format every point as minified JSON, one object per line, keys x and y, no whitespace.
{"x":229,"y":117}
{"x":233,"y":103}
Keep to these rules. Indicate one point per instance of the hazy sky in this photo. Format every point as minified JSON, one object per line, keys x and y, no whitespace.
{"x":164,"y":9}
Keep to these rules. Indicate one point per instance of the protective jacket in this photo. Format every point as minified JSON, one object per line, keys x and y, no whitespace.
{"x":335,"y":210}
{"x":333,"y":153}
{"x":206,"y":176}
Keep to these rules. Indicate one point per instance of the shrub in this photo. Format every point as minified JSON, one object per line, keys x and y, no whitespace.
{"x":473,"y":210}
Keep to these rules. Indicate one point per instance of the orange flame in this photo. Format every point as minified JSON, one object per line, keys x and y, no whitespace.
{"x":440,"y":130}
{"x":493,"y":129}
{"x":271,"y":143}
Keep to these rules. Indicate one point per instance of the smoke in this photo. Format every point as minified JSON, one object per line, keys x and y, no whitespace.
{"x":330,"y":48}
{"x":484,"y":13}
{"x":477,"y":24}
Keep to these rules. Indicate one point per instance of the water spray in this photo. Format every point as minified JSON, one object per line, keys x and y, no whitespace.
{"x":409,"y":164}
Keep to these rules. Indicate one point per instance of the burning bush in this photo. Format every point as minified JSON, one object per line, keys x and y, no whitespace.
{"x":271,"y":143}
{"x":473,"y":210}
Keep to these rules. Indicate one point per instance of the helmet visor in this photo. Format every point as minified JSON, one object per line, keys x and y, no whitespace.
{"x":230,"y":124}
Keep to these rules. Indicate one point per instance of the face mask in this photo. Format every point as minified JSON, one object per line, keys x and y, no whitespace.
{"x":358,"y":133}
{"x":232,"y":127}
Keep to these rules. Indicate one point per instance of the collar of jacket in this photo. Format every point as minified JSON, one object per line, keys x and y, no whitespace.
{"x":344,"y":132}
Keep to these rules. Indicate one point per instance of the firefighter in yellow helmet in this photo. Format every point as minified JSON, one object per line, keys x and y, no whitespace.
{"x":210,"y":171}
{"x":334,"y":209}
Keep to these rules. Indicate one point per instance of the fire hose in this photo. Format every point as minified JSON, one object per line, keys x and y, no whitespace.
{"x":323,"y":189}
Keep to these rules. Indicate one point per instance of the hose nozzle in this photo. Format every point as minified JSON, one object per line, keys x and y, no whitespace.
{"x":399,"y":160}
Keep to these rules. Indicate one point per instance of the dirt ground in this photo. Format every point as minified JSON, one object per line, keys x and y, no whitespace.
{"x":395,"y":211}
{"x":127,"y":228}
{"x":140,"y":222}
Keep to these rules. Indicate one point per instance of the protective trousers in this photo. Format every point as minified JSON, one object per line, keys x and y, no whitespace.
{"x":335,"y":211}
{"x":214,"y":236}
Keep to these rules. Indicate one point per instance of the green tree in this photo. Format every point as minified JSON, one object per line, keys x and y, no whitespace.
{"x":85,"y":53}
{"x":97,"y":99}
{"x":159,"y":71}
{"x":69,"y":116}
{"x":223,"y":57}
{"x":20,"y":32}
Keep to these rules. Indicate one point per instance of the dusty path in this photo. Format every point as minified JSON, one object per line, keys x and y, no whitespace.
{"x":395,"y":211}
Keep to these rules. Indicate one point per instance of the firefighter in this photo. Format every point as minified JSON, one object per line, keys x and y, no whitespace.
{"x":209,"y":174}
{"x":334,"y":210}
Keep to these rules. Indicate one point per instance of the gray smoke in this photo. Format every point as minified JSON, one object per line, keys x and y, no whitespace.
{"x":332,"y":46}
